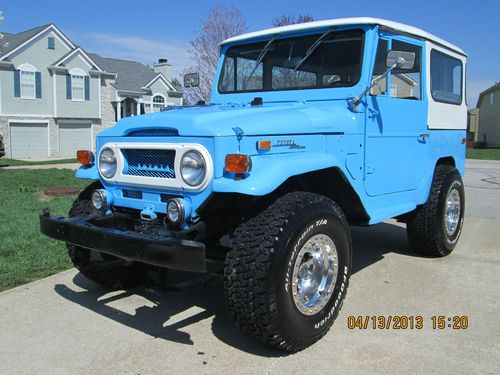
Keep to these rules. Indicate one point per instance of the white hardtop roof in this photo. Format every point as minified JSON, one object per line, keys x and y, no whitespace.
{"x":401,"y":27}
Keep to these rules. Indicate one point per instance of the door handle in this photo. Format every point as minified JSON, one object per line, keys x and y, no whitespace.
{"x":424,"y":136}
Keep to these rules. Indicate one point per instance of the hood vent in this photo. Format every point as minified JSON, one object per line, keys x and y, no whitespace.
{"x":155,"y":132}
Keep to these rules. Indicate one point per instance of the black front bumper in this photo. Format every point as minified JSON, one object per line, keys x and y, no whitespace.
{"x":100,"y":234}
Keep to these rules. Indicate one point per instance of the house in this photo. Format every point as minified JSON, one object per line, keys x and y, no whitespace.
{"x":488,"y":132}
{"x":55,"y":97}
{"x":472,"y":127}
{"x":402,"y":86}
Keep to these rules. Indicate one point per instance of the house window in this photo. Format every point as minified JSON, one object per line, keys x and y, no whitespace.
{"x":77,"y":87}
{"x":27,"y":84}
{"x":158,"y":102}
{"x":491,"y":98}
{"x":51,"y":44}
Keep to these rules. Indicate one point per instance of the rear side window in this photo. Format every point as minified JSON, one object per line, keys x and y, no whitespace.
{"x":446,"y":78}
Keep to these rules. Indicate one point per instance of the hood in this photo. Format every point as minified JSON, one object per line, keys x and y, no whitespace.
{"x":220,"y":120}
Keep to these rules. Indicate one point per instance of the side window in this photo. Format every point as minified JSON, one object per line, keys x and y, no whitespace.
{"x":405,"y":84}
{"x":381,"y":87}
{"x":446,"y":78}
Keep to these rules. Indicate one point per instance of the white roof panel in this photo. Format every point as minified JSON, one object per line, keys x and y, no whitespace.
{"x":345,"y":22}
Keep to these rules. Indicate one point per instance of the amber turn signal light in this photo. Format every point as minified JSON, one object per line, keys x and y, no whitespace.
{"x":264,"y":145}
{"x":85,"y":157}
{"x":236,"y":163}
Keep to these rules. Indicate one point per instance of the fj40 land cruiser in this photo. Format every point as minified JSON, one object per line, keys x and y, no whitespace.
{"x":310,"y":128}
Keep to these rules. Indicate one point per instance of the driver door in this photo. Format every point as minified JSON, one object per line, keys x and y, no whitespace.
{"x":396,"y":123}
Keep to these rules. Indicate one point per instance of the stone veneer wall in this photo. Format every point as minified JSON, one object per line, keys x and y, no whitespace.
{"x":107,"y":99}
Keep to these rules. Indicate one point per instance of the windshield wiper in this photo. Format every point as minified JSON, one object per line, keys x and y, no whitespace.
{"x":261,"y":56}
{"x":312,"y":49}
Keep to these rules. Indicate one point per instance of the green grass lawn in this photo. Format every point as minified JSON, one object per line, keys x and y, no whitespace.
{"x":483,"y":153}
{"x":25,"y":254}
{"x":15,"y":162}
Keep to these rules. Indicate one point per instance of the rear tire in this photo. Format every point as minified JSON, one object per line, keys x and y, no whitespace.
{"x":287,"y":273}
{"x":436,"y":226}
{"x":104,"y":269}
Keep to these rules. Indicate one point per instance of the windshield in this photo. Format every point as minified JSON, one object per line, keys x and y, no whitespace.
{"x":335,"y":62}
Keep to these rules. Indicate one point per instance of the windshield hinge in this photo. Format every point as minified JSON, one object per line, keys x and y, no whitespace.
{"x":239,"y":133}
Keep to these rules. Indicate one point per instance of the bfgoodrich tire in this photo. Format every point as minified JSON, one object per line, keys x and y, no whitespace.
{"x":103,"y":269}
{"x":287,"y":273}
{"x":436,"y":226}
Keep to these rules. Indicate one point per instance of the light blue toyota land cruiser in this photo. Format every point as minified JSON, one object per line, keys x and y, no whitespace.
{"x":310,"y":128}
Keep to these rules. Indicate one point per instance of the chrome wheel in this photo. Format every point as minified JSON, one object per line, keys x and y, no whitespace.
{"x":314,"y":274}
{"x":452,"y":212}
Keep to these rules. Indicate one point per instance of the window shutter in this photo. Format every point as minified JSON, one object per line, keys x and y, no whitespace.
{"x":17,"y":83}
{"x":68,"y":86}
{"x":87,"y":88}
{"x":38,"y":85}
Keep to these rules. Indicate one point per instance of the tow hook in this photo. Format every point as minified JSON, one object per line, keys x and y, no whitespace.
{"x":148,"y":213}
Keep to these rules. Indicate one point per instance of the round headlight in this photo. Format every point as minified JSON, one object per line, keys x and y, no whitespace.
{"x":99,"y":199}
{"x":193,"y":168}
{"x":107,"y":163}
{"x":175,"y":210}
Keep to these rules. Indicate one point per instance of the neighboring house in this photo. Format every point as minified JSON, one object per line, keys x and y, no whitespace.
{"x":472,"y":126}
{"x":55,"y":97}
{"x":402,"y":86}
{"x":488,"y":133}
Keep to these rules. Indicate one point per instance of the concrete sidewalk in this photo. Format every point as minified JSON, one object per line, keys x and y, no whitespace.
{"x":72,"y":166}
{"x":66,"y":324}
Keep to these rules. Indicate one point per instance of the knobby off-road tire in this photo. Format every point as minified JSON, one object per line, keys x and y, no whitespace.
{"x":260,"y":277}
{"x":436,"y":226}
{"x":101,"y":268}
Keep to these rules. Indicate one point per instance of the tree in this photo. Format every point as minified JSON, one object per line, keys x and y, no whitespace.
{"x":290,"y":19}
{"x":176,"y":83}
{"x":2,"y":44}
{"x":221,"y":23}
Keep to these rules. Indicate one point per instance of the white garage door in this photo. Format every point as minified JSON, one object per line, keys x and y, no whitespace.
{"x":74,"y":137}
{"x":29,"y":140}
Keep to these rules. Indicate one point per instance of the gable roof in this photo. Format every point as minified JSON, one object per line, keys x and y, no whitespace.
{"x":493,"y":88}
{"x":162,"y":79}
{"x":11,"y":42}
{"x":131,"y":75}
{"x":345,"y":22}
{"x":83,"y":54}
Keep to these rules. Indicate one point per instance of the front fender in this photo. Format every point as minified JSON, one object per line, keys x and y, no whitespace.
{"x":270,"y":171}
{"x":85,"y":172}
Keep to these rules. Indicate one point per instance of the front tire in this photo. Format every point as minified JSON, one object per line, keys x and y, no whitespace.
{"x":287,"y":273}
{"x":435,"y":227}
{"x":104,"y":269}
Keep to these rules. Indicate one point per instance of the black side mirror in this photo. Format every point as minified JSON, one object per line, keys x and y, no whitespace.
{"x":191,"y":80}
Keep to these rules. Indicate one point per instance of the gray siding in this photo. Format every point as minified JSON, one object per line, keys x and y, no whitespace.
{"x":69,"y":108}
{"x":159,"y":88}
{"x":404,"y":88}
{"x":489,"y":119}
{"x":38,"y":55}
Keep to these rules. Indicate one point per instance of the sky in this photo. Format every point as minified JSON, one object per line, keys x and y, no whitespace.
{"x":145,"y":31}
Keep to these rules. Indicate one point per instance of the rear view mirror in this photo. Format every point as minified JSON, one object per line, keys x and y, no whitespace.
{"x":400,"y":60}
{"x":191,"y":80}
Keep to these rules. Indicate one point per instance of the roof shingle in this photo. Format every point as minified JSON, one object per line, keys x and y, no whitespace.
{"x":131,"y":75}
{"x":12,"y":41}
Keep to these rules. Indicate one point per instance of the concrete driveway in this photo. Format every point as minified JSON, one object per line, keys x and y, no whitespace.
{"x":66,"y":324}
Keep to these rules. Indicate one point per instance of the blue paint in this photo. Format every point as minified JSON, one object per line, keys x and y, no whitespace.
{"x":383,"y":148}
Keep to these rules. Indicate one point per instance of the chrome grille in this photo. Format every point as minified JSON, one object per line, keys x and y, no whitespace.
{"x":149,"y":163}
